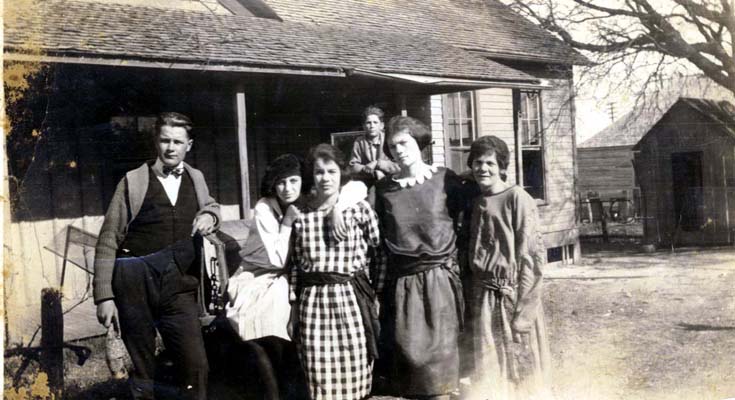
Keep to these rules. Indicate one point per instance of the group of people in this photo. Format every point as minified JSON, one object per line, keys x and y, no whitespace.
{"x":364,"y":286}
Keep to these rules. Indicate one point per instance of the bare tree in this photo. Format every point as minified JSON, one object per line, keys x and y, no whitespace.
{"x":641,"y":45}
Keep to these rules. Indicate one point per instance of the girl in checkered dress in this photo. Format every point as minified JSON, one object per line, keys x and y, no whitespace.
{"x":333,"y":308}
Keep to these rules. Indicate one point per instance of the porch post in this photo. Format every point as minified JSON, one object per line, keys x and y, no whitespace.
{"x":402,"y":105}
{"x":242,"y":145}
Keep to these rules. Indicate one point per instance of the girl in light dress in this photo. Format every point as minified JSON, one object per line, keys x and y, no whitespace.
{"x":506,"y":257}
{"x":258,"y":292}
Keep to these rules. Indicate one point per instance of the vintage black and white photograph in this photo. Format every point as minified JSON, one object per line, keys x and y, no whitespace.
{"x":368,"y":199}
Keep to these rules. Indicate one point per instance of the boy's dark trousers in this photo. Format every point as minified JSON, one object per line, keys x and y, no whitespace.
{"x":152,"y":293}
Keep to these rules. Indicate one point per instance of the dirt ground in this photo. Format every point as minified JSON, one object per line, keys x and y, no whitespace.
{"x":623,"y":325}
{"x":630,"y":325}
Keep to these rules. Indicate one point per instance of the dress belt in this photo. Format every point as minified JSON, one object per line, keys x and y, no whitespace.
{"x":503,"y":287}
{"x":365,"y":296}
{"x":405,"y":265}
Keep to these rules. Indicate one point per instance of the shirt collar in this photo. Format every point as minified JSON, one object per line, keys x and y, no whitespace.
{"x":377,"y":140}
{"x":158,"y":167}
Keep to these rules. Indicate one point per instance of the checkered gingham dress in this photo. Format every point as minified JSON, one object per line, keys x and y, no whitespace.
{"x":332,"y":343}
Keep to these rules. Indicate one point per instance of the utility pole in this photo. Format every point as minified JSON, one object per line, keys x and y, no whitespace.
{"x":611,"y":111}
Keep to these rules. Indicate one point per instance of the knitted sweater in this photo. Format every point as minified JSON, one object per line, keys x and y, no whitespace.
{"x":124,"y":207}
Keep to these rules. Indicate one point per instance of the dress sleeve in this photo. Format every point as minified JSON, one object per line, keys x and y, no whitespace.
{"x":297,"y":260}
{"x":377,"y":260}
{"x":275,"y":237}
{"x":531,"y":257}
{"x":352,"y":193}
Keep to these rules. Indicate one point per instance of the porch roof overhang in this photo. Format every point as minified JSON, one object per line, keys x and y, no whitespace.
{"x":118,"y":35}
{"x":441,"y":84}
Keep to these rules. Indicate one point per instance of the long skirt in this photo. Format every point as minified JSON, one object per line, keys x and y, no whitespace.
{"x":508,"y":365}
{"x":421,"y":328}
{"x":332,"y":343}
{"x":258,"y":305}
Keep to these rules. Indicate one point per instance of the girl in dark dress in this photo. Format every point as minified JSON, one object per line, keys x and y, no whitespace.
{"x":418,"y":208}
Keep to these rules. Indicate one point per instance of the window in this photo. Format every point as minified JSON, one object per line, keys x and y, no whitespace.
{"x":529,"y":139}
{"x":459,"y":128}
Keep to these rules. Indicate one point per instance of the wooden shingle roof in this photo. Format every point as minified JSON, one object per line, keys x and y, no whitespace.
{"x":721,"y":114}
{"x":89,"y":30}
{"x":626,"y":130}
{"x":487,"y":26}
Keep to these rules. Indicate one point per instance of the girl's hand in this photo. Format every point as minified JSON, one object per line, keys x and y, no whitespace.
{"x":339,"y":226}
{"x":292,"y":212}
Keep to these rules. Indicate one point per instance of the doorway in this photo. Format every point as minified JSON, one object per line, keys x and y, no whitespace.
{"x":686,"y":169}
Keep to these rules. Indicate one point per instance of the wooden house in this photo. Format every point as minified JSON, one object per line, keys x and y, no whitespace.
{"x":259,"y":78}
{"x":686,"y":170}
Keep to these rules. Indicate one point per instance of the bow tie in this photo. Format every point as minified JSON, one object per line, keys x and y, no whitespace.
{"x":177,"y":172}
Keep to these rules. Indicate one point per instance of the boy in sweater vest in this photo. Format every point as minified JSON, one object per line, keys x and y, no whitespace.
{"x":146,"y":261}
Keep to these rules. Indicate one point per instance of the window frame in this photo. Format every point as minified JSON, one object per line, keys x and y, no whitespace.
{"x":449,"y":149}
{"x":520,"y":147}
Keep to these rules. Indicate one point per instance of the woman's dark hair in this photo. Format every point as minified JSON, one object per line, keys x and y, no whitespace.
{"x":173,"y":119}
{"x":418,"y":131}
{"x":372,"y":110}
{"x":282,"y":167}
{"x":327,"y":152}
{"x":489,"y":145}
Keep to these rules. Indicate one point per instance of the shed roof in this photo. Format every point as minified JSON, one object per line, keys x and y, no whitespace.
{"x":624,"y":131}
{"x":631,"y":126}
{"x":487,"y":26}
{"x":89,"y":32}
{"x":720,"y":113}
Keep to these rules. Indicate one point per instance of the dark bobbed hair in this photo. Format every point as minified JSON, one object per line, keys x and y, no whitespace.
{"x":173,"y":119}
{"x":281,"y":167}
{"x":372,"y":110}
{"x":418,"y":131}
{"x":489,"y":145}
{"x":329,"y":153}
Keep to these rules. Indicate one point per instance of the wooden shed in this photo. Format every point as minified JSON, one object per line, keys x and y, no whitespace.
{"x":686,"y":170}
{"x":606,"y":159}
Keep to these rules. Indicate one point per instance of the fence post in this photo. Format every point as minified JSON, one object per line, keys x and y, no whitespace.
{"x":52,"y":339}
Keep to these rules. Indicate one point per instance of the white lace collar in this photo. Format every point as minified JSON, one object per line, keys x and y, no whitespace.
{"x":426,"y":172}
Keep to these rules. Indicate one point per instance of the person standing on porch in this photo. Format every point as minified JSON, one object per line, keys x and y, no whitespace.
{"x":506,"y":255}
{"x":419,"y":209}
{"x":147,"y":261}
{"x":369,"y":161}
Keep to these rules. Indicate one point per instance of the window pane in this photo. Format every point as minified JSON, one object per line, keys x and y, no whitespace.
{"x":530,"y":101}
{"x":533,"y":173}
{"x":453,"y":133}
{"x":533,"y":133}
{"x":466,"y":107}
{"x":458,"y":161}
{"x":529,"y":118}
{"x":466,"y":132}
{"x":523,"y":126}
{"x":451,"y":106}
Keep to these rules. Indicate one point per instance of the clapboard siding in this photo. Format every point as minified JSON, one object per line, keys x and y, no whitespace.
{"x":606,"y":170}
{"x":495,"y":117}
{"x":437,"y":130}
{"x":559,"y":214}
